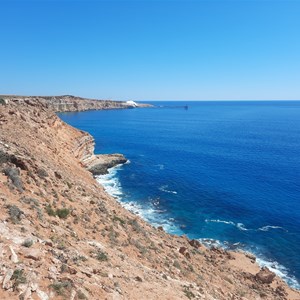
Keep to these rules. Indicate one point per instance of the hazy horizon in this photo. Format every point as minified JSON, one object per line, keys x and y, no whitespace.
{"x":150,"y":100}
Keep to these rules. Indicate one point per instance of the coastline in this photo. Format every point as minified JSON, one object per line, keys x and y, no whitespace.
{"x":113,"y":187}
{"x":43,"y":175}
{"x":69,"y":103}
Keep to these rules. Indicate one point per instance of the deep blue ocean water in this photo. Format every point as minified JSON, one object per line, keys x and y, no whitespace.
{"x":224,"y":172}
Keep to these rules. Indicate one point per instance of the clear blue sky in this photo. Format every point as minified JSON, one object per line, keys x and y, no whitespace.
{"x":144,"y":50}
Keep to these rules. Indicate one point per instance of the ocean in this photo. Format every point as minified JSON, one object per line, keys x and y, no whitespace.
{"x":224,"y":172}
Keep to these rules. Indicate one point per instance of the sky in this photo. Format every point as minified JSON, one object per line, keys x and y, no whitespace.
{"x":151,"y":50}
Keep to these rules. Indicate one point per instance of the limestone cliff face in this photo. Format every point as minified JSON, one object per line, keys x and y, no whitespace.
{"x":84,"y":147}
{"x":63,"y":237}
{"x":69,"y":103}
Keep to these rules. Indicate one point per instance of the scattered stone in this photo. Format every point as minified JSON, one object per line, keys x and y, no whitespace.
{"x":73,"y":295}
{"x":27,"y":294}
{"x":265,"y":276}
{"x":160,"y":228}
{"x":53,"y":272}
{"x":57,"y":175}
{"x":280,"y":291}
{"x":7,"y":284}
{"x":139,"y":279}
{"x":34,"y":254}
{"x":89,"y":275}
{"x":71,"y":270}
{"x":49,"y":243}
{"x":13,"y":257}
{"x":42,"y":295}
{"x":182,"y":250}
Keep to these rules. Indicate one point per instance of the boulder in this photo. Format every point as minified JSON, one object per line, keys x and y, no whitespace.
{"x":182,"y":250}
{"x":34,"y":254}
{"x":195,"y":243}
{"x":265,"y":276}
{"x":139,"y":279}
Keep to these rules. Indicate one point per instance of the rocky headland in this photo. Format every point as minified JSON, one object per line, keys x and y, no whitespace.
{"x":63,"y":237}
{"x":69,"y":103}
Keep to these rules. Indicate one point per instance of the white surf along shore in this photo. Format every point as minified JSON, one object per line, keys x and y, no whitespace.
{"x":151,"y":214}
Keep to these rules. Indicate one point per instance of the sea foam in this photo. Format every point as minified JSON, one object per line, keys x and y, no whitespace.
{"x":164,"y":188}
{"x":151,"y":213}
{"x":111,"y":183}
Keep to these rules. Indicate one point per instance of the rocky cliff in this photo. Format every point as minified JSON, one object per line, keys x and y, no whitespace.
{"x":84,"y":147}
{"x":63,"y":237}
{"x":68,"y":103}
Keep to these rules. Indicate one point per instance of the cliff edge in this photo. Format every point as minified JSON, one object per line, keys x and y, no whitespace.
{"x":63,"y":237}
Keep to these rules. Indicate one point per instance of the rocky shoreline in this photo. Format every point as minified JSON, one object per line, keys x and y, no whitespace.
{"x":63,"y":237}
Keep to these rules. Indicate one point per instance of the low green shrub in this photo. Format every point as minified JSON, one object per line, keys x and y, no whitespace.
{"x":62,"y":213}
{"x":101,"y":256}
{"x":61,"y":288}
{"x":27,"y":243}
{"x":18,"y":277}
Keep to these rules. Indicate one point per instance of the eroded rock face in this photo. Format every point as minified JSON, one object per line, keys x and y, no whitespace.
{"x":97,"y":164}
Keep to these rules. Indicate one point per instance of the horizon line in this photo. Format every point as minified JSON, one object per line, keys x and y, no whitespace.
{"x":139,"y":100}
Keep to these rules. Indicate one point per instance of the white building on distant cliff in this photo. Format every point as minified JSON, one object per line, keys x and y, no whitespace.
{"x":132,"y":103}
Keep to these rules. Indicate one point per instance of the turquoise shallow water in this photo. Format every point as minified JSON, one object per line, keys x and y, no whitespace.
{"x":224,"y":172}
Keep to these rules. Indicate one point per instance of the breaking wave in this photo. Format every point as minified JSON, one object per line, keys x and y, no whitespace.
{"x":242,"y":227}
{"x":268,"y":227}
{"x":111,"y":183}
{"x":164,"y":188}
{"x":152,"y":213}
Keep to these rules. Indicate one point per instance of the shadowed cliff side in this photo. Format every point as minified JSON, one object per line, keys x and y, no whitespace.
{"x":63,"y":237}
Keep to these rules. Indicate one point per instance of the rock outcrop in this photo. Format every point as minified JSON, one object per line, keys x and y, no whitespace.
{"x":99,"y":164}
{"x":63,"y":237}
{"x":84,"y":148}
{"x":265,"y":276}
